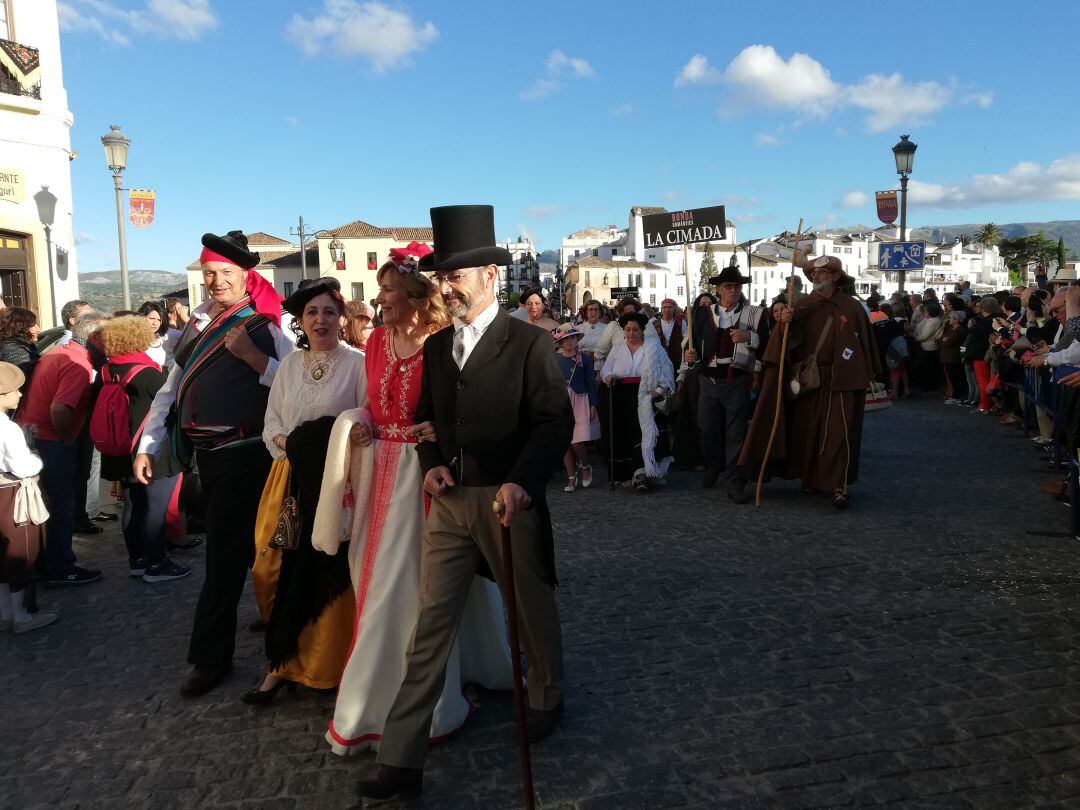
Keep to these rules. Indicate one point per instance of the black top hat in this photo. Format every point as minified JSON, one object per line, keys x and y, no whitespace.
{"x":233,"y":246}
{"x":464,"y":237}
{"x":309,"y":288}
{"x":639,"y":318}
{"x":729,"y":275}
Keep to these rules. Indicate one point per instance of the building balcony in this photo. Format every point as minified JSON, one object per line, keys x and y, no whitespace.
{"x":20,"y":70}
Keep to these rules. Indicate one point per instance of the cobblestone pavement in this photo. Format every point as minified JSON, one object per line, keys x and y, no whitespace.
{"x":919,"y":649}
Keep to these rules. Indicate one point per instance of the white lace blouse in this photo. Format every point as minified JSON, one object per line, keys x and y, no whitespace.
{"x":297,"y":397}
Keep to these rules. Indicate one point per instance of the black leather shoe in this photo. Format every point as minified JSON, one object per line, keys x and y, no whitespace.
{"x":541,"y":723}
{"x":260,"y":697}
{"x":202,"y":679}
{"x":738,"y":494}
{"x":710,"y":477}
{"x":390,"y":782}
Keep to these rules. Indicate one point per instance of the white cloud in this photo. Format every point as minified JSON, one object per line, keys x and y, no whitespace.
{"x":541,"y":211}
{"x":671,"y":196}
{"x":624,"y":111}
{"x":760,"y":77}
{"x":292,"y":121}
{"x":698,"y":71}
{"x":168,"y":19}
{"x":751,"y":219}
{"x":763,"y":139}
{"x":85,"y":238}
{"x":738,"y":200}
{"x":1060,"y":180}
{"x":386,"y":37}
{"x":853,"y":199}
{"x":558,"y":66}
{"x":892,"y":103}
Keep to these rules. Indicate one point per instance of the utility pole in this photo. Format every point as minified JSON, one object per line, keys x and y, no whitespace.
{"x":303,"y":248}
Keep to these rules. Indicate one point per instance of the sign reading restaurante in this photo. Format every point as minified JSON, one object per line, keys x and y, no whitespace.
{"x":684,"y":227}
{"x":12,"y":188}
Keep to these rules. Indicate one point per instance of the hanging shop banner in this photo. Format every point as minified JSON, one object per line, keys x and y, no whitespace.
{"x":141,"y":203}
{"x":886,"y":206}
{"x":12,"y":187}
{"x":684,"y":227}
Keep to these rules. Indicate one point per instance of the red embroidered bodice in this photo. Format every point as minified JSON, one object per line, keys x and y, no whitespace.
{"x":393,"y":386}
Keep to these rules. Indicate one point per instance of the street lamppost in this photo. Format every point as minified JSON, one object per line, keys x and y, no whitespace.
{"x":46,"y":206}
{"x":116,"y":149}
{"x":904,"y":153}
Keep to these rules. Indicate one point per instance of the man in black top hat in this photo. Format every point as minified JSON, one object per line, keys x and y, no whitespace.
{"x":211,"y":408}
{"x":503,"y":422}
{"x":727,"y":340}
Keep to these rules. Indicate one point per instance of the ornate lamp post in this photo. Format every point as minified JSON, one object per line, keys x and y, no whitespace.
{"x":46,"y":206}
{"x":904,"y":153}
{"x":116,"y":149}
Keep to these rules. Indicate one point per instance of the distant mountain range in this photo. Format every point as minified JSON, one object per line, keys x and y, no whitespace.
{"x":102,"y":289}
{"x":1067,"y":228}
{"x":134,"y":277}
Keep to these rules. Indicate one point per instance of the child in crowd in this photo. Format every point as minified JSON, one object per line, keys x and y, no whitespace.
{"x":577,"y":369}
{"x":21,"y":515}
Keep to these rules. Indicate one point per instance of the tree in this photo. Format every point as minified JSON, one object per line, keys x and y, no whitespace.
{"x":1061,"y":252}
{"x":989,"y":235}
{"x":708,"y":269}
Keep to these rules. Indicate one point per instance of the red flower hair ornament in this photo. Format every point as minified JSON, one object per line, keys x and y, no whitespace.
{"x":407,"y":258}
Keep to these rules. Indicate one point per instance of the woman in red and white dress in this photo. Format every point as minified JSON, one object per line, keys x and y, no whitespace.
{"x":372,"y":467}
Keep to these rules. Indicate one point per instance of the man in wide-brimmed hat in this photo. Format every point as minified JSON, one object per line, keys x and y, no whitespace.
{"x":727,"y":340}
{"x":820,"y":433}
{"x":502,"y":418}
{"x":211,"y":409}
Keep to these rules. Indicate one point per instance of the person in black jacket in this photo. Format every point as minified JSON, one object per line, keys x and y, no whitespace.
{"x":125,"y":341}
{"x":18,"y":331}
{"x":976,"y":345}
{"x":494,"y":422}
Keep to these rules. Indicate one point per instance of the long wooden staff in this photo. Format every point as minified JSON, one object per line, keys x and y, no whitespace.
{"x":784,"y":328}
{"x":510,"y":597}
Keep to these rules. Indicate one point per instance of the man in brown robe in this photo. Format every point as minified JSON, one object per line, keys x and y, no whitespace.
{"x":820,"y":431}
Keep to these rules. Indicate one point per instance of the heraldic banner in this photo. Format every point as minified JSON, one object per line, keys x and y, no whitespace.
{"x":141,"y":205}
{"x":886,"y":206}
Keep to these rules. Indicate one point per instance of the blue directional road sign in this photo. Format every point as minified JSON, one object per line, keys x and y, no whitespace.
{"x":901,"y":255}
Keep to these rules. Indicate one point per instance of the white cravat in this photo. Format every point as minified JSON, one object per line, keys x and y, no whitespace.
{"x":465,"y":338}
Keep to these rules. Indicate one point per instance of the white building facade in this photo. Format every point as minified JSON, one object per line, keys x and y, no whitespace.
{"x":35,"y":125}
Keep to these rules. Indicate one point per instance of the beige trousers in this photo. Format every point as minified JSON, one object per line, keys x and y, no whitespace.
{"x":461,"y":529}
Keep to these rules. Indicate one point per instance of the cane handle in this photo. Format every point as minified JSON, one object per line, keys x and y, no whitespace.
{"x":498,"y":507}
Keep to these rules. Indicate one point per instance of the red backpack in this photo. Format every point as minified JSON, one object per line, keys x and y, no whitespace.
{"x":110,"y":423}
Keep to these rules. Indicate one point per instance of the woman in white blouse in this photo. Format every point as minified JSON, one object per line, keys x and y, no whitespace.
{"x":305,"y":597}
{"x":591,"y":329}
{"x":638,"y":374}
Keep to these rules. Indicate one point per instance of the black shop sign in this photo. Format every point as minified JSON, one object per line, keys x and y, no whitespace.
{"x":684,"y":227}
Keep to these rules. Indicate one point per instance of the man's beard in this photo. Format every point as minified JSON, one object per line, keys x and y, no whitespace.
{"x":826,"y":288}
{"x":459,"y":305}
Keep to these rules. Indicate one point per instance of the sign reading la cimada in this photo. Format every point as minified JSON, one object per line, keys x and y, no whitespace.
{"x":684,"y":227}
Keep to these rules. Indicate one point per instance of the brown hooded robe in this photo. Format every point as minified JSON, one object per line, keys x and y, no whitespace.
{"x":820,"y":433}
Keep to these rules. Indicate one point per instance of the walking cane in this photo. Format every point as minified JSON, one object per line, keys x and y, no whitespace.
{"x":611,"y":436}
{"x":510,"y":597}
{"x":786,"y":329}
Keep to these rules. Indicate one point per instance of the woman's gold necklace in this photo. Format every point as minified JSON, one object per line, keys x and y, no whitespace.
{"x":322,"y":365}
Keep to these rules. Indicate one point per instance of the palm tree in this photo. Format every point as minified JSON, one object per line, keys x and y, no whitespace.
{"x":988,"y":235}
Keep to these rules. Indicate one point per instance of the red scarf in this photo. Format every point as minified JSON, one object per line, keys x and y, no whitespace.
{"x":134,"y":358}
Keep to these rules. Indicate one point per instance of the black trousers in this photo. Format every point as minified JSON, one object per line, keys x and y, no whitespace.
{"x":724,"y":411}
{"x":233,"y":480}
{"x":955,"y":372}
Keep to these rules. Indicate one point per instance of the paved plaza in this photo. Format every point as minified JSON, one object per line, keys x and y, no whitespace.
{"x":918,"y":650}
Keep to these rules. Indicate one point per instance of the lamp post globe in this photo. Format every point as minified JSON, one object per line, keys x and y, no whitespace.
{"x":337,"y":251}
{"x":116,"y":149}
{"x":904,"y":154}
{"x":46,"y":206}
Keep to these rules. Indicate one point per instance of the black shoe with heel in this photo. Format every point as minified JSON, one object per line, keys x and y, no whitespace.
{"x":260,"y":697}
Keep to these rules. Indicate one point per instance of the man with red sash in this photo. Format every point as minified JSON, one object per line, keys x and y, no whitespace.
{"x":212,"y":408}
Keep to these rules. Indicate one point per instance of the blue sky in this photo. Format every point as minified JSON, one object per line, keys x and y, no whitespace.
{"x":562,"y":114}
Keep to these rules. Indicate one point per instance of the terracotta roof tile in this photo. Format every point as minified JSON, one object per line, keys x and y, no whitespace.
{"x":412,"y":234}
{"x":262,"y":238}
{"x":359,"y":229}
